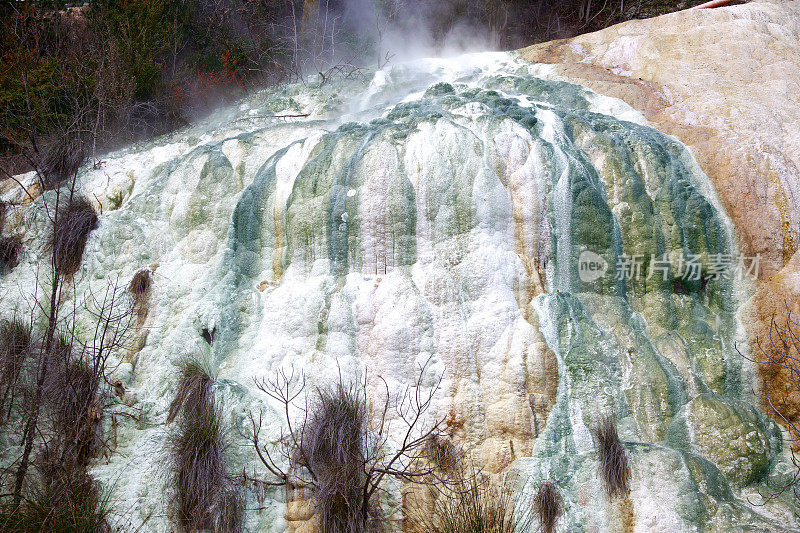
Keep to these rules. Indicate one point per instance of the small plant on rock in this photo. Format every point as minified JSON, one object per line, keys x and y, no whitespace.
{"x":549,"y":506}
{"x":472,"y":504}
{"x":139,"y":289}
{"x":70,"y":232}
{"x":10,"y":249}
{"x":614,"y":463}
{"x":140,"y":283}
{"x":208,"y":495}
{"x":15,"y":342}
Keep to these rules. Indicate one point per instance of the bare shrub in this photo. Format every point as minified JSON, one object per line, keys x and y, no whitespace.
{"x":613,"y":458}
{"x":58,"y":415}
{"x":332,"y":447}
{"x":473,"y":505}
{"x":341,"y":451}
{"x":59,"y":494}
{"x":60,"y":160}
{"x":778,"y":354}
{"x":208,"y":495}
{"x":549,"y":506}
{"x":10,"y":248}
{"x":70,"y":232}
{"x":58,"y":500}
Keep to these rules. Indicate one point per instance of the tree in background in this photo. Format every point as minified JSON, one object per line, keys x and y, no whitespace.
{"x":116,"y":70}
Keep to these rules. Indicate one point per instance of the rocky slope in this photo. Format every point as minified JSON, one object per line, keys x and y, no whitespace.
{"x":440,"y":211}
{"x":726,"y":82}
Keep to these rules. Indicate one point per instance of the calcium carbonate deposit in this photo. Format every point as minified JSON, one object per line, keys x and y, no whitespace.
{"x":531,"y":238}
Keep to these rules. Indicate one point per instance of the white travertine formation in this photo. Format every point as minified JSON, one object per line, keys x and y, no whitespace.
{"x":438,"y":213}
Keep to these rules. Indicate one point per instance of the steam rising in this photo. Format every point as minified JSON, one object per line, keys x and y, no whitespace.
{"x":371,"y":33}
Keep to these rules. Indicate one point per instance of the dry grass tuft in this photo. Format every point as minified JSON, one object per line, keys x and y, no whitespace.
{"x":208,"y":495}
{"x":614,"y":463}
{"x":15,"y":339}
{"x":474,"y":505}
{"x":139,"y":289}
{"x":195,"y":391}
{"x":333,"y":448}
{"x":15,"y":342}
{"x":76,"y":408}
{"x":140,"y":284}
{"x":10,"y":249}
{"x":442,"y":453}
{"x":74,"y":223}
{"x":549,"y":506}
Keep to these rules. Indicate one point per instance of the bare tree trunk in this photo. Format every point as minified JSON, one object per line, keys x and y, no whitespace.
{"x":44,"y":358}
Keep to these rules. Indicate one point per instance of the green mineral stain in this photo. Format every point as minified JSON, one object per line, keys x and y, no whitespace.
{"x":655,"y":349}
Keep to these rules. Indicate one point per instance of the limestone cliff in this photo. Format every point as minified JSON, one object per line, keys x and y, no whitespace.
{"x":726,"y":82}
{"x":475,"y":213}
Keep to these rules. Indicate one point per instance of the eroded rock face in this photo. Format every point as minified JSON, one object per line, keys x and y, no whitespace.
{"x":751,"y":439}
{"x":726,"y":82}
{"x":440,"y":212}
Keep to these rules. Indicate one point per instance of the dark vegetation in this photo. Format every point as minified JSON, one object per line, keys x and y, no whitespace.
{"x":65,"y":406}
{"x":10,"y":249}
{"x":340,"y":453}
{"x":70,"y":232}
{"x":15,"y":341}
{"x":53,"y":404}
{"x":549,"y":506}
{"x":209,"y":496}
{"x":473,"y":504}
{"x":614,"y":465}
{"x":58,"y":502}
{"x":54,"y":380}
{"x":60,"y":495}
{"x":88,"y":77}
